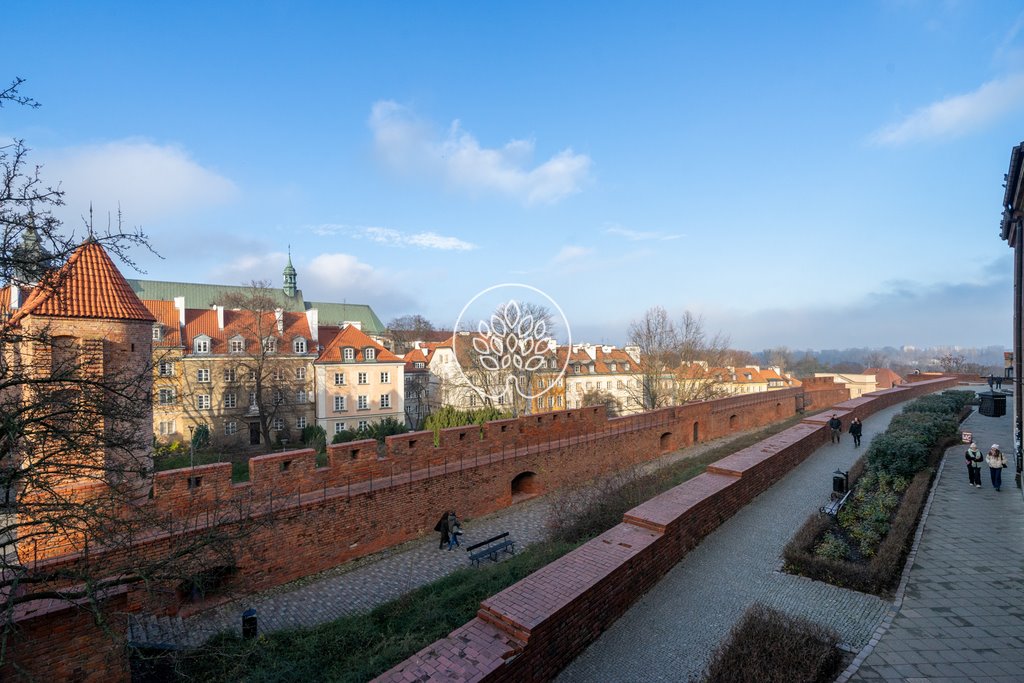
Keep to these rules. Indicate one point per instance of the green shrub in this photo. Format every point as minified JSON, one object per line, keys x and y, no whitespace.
{"x":379,"y":430}
{"x":832,"y":547}
{"x":767,"y":645}
{"x":899,"y":453}
{"x":315,"y":437}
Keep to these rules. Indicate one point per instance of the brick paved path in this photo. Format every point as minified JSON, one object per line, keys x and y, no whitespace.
{"x":362,"y":584}
{"x":962,"y":611}
{"x":669,"y":633}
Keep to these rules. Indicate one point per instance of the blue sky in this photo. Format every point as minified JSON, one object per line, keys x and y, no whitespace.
{"x":808,"y":174}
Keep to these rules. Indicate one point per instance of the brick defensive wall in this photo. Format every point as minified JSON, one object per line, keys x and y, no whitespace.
{"x":303,"y":519}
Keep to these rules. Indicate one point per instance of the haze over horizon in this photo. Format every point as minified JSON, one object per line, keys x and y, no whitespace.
{"x":812,"y":176}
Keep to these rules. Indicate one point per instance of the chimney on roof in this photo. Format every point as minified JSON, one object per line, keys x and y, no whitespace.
{"x":279,"y":317}
{"x":220,"y":317}
{"x":15,"y":295}
{"x":313,"y":320}
{"x":354,"y":323}
{"x":179,"y":303}
{"x":591,"y":351}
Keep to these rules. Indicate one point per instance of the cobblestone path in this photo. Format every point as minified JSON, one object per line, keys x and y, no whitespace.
{"x":669,"y":633}
{"x":362,"y":584}
{"x":959,"y":615}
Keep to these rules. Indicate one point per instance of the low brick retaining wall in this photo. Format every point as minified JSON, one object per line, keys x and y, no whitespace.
{"x":531,"y":630}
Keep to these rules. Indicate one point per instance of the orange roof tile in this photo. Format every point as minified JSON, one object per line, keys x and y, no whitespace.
{"x":167,"y":315}
{"x":884,"y":377}
{"x":89,"y":285}
{"x":350,"y":336}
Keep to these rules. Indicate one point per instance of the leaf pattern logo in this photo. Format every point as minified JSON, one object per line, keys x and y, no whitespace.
{"x":513,"y":346}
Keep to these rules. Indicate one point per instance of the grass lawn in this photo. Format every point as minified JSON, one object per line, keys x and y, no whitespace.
{"x":239,"y":470}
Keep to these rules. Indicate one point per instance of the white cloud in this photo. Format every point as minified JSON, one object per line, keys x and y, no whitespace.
{"x":263,"y":266}
{"x":411,"y":146}
{"x":397,"y":238}
{"x":572,"y":253}
{"x":957,"y":115}
{"x":145,"y":179}
{"x":640,"y":236}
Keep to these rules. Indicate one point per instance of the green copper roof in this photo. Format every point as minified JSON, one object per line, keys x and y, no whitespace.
{"x":204,"y":295}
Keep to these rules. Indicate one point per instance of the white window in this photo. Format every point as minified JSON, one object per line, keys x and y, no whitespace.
{"x":363,"y":379}
{"x":203,"y":375}
{"x":158,"y":332}
{"x":278,"y":423}
{"x":385,"y":378}
{"x":230,"y":399}
{"x":619,"y":385}
{"x":278,"y":374}
{"x":236,"y":345}
{"x":576,"y":369}
{"x":166,"y":427}
{"x":501,"y":400}
{"x":201,"y":345}
{"x":625,"y":366}
{"x":230,"y":427}
{"x":278,"y":397}
{"x":364,"y":402}
{"x":558,"y":401}
{"x":300,"y":373}
{"x":299,"y":345}
{"x":252,"y":399}
{"x":589,"y":385}
{"x":203,"y":401}
{"x":339,"y":379}
{"x":370,"y":354}
{"x":339,"y":427}
{"x":166,"y":368}
{"x":614,"y":368}
{"x":166,"y":397}
{"x":252,"y":375}
{"x":418,"y":364}
{"x":385,"y":400}
{"x":300,"y":396}
{"x":349,"y":354}
{"x":339,"y":404}
{"x":472,"y":401}
{"x":300,"y":422}
{"x":270,"y":345}
{"x":229,"y":374}
{"x":552,"y":363}
{"x":363,"y":424}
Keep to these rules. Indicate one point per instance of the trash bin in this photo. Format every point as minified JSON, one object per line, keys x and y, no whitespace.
{"x":840,"y":482}
{"x":993,"y":404}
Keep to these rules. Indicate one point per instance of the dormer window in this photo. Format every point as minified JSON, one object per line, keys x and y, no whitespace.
{"x":369,"y":354}
{"x":299,"y":345}
{"x":270,"y":345}
{"x":614,"y":367}
{"x":348,"y":353}
{"x":592,"y":369}
{"x":418,"y":364}
{"x":158,"y":332}
{"x":552,"y":363}
{"x":576,"y":369}
{"x":625,"y":366}
{"x":236,"y":344}
{"x":201,"y":344}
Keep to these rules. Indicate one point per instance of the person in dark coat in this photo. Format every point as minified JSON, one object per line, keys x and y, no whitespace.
{"x":836,"y":425}
{"x":973,"y":457}
{"x":856,"y":429}
{"x":442,"y":526}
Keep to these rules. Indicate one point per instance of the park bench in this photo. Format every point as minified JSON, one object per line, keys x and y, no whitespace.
{"x":490,"y":548}
{"x":835,"y":506}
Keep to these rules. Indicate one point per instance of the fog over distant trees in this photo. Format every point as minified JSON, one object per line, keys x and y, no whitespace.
{"x":902,"y":360}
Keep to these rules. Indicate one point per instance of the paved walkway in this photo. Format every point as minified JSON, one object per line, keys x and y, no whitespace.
{"x":959,"y":615}
{"x":367,"y":582}
{"x":670,"y":632}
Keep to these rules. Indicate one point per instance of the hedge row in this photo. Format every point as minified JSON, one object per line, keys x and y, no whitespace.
{"x":865,"y":548}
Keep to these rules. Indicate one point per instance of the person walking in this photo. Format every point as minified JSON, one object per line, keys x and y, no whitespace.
{"x":442,"y":526}
{"x":454,"y":529}
{"x":856,"y":429}
{"x":836,"y":425}
{"x":973,"y":457}
{"x":996,"y":462}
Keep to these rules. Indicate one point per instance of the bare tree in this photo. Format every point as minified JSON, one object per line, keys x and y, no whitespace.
{"x":778,"y":357}
{"x":598,"y":397}
{"x":876,"y":359}
{"x":75,"y":422}
{"x":406,"y":329}
{"x":262,"y":360}
{"x":952,"y":362}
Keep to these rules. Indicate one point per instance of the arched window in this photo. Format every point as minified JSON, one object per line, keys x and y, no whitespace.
{"x":299,"y":345}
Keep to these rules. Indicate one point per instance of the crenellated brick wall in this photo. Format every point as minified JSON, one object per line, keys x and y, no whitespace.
{"x":306,"y":518}
{"x":532,"y":629}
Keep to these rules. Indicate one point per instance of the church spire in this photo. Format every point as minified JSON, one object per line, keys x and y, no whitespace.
{"x":290,"y":276}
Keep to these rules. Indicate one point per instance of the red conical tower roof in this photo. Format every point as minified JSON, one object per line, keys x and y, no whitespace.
{"x":89,"y":285}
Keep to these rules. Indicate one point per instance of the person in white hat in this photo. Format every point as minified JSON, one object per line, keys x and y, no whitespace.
{"x":996,"y":462}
